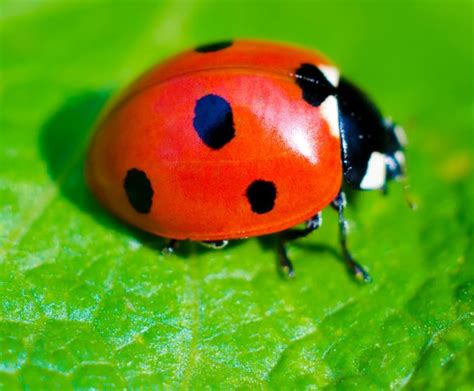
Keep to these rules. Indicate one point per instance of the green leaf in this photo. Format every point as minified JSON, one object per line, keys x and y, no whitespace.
{"x":87,"y":302}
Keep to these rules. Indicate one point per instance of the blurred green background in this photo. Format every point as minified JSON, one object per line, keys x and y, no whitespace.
{"x":87,"y":302}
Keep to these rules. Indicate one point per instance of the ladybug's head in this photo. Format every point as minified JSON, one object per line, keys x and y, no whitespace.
{"x":372,"y":147}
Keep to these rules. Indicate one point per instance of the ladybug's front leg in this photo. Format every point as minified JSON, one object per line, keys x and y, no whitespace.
{"x":339,"y":204}
{"x":286,"y":236}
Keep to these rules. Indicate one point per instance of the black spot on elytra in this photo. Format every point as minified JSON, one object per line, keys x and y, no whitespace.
{"x":139,"y":190}
{"x":314,"y":85}
{"x":261,"y":195}
{"x":213,"y":121}
{"x":213,"y":47}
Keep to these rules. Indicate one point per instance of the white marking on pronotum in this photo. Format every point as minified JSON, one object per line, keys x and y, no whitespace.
{"x":331,"y":73}
{"x":375,"y":175}
{"x":330,"y":112}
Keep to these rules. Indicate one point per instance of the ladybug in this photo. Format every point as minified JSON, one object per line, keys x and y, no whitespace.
{"x":238,"y":139}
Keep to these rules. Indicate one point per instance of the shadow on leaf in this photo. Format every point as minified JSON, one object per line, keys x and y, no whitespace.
{"x":270,"y":243}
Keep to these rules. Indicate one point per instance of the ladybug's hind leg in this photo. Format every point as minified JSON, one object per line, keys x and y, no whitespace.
{"x":286,"y":236}
{"x":215,"y":244}
{"x":359,"y":272}
{"x":172,"y":244}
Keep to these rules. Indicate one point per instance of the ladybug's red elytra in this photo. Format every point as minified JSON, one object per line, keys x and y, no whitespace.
{"x":238,"y":139}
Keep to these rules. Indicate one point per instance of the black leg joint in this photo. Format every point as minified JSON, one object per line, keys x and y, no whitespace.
{"x":289,"y":235}
{"x":170,"y":247}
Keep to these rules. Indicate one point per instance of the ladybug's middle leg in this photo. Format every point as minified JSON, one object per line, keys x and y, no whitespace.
{"x":311,"y":225}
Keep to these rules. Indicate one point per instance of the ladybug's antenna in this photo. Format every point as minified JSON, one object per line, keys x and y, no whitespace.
{"x":406,"y":192}
{"x":402,"y":139}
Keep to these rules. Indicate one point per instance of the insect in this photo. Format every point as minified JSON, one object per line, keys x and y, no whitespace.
{"x":239,"y":139}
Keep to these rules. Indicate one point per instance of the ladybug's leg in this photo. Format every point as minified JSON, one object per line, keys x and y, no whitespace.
{"x":170,"y":247}
{"x":286,"y":236}
{"x":215,"y":244}
{"x":339,"y":204}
